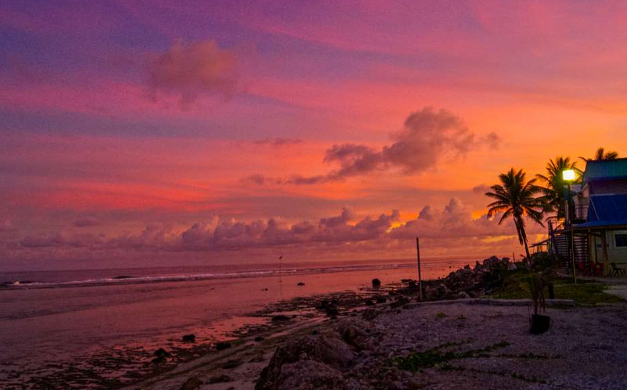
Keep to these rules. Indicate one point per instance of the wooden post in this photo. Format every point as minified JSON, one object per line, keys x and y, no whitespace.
{"x":605,"y":254}
{"x":419,"y":274}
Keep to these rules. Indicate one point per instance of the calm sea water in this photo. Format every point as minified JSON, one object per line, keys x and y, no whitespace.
{"x":65,"y":315}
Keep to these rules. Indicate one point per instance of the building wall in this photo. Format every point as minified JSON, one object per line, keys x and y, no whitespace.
{"x":615,"y":253}
{"x":608,"y":187}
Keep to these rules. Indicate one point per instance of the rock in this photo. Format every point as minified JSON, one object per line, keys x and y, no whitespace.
{"x":189,"y":338}
{"x":220,"y":379}
{"x":300,"y":284}
{"x":162,"y":353}
{"x":259,"y":339}
{"x":306,"y":375}
{"x":396,"y":385}
{"x":376,"y":283}
{"x":431,"y":293}
{"x":332,"y":311}
{"x":324,"y":304}
{"x":352,"y":333}
{"x":369,"y":302}
{"x":381,"y":299}
{"x":400,"y":301}
{"x":192,"y":383}
{"x":444,"y":291}
{"x":415,"y":384}
{"x":370,"y":314}
{"x":280,"y":318}
{"x":308,"y":360}
{"x":462,"y":295}
{"x":223,"y":345}
{"x":232,"y":364}
{"x":159,"y":360}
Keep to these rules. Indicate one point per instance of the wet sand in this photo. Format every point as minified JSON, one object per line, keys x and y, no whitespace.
{"x":101,"y":346}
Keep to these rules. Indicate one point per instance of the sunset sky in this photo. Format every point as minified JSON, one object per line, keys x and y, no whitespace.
{"x":137,"y":132}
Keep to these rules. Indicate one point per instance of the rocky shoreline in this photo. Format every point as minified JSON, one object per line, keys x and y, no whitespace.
{"x":314,"y":309}
{"x":350,"y":340}
{"x":393,"y":341}
{"x":454,"y":346}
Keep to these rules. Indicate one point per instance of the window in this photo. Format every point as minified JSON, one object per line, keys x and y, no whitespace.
{"x":620,"y":239}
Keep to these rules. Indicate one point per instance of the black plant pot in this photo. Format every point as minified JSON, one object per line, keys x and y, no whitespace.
{"x":540,"y":323}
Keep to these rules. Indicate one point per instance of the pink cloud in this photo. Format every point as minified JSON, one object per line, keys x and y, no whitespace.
{"x":191,"y":70}
{"x":278,"y":142}
{"x":428,"y":136}
{"x":87,"y":222}
{"x":453,"y":222}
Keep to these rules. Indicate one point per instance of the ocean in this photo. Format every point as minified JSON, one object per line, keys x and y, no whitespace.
{"x":58,"y":319}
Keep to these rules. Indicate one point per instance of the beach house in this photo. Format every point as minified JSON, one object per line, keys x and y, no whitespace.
{"x":597,"y":223}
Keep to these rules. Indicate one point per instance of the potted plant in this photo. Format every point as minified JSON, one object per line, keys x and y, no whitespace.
{"x":539,"y":323}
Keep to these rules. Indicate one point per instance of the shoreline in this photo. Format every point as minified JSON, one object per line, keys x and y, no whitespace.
{"x":272,"y":326}
{"x":257,"y":363}
{"x":123,"y":280}
{"x":127,"y":364}
{"x":327,"y":307}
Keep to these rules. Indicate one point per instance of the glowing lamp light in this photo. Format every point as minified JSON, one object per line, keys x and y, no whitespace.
{"x":568,"y":175}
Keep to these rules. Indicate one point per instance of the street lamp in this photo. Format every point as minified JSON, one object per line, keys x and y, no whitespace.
{"x":569,"y":176}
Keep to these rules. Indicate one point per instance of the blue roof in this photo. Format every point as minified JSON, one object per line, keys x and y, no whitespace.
{"x":606,"y":210}
{"x":605,"y":170}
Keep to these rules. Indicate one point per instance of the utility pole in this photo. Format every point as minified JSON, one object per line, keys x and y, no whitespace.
{"x":419,"y":274}
{"x":569,"y":219}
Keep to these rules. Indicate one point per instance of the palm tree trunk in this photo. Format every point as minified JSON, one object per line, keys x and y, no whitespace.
{"x":522,"y":235}
{"x":527,"y":249}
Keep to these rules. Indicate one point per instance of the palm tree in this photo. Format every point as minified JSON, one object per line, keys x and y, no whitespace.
{"x":553,"y":191}
{"x":602,"y":155}
{"x":515,"y":197}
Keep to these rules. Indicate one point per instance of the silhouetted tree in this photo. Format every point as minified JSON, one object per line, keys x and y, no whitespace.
{"x":517,"y":198}
{"x":602,"y":155}
{"x":553,"y":190}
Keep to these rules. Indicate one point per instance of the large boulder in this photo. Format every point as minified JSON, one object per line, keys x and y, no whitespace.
{"x":330,"y":352}
{"x":353,"y":332}
{"x":192,"y":384}
{"x":309,"y":375}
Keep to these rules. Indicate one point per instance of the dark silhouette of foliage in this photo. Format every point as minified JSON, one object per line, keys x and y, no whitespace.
{"x":553,"y":191}
{"x":602,"y":155}
{"x":517,"y":198}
